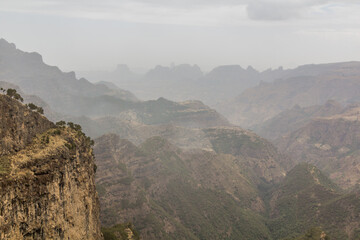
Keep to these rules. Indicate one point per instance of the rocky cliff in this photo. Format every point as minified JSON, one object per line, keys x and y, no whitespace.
{"x":330,"y":143}
{"x":47,"y":188}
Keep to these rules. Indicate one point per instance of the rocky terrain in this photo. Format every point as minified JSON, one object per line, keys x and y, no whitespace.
{"x":47,"y":178}
{"x":331,"y":143}
{"x":180,"y":170}
{"x":171,"y":193}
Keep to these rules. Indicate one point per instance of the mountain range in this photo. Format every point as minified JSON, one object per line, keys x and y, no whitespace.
{"x":179,"y":169}
{"x":304,"y":86}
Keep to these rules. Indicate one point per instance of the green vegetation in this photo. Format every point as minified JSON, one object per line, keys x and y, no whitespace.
{"x":124,"y":231}
{"x":13,"y":94}
{"x":78,"y":129}
{"x":33,"y":107}
{"x":307,"y":198}
{"x":100,"y":189}
{"x":208,"y":214}
{"x":315,"y":233}
{"x":180,"y":204}
{"x":4,"y":165}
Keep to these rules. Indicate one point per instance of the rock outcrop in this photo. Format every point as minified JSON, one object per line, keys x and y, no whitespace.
{"x":47,"y":188}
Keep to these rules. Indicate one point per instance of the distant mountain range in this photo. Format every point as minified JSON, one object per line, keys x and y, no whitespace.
{"x":73,"y":98}
{"x":305,"y":86}
{"x":62,"y":91}
{"x":183,"y":82}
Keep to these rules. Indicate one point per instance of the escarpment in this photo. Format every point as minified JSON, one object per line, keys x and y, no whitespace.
{"x":47,"y":188}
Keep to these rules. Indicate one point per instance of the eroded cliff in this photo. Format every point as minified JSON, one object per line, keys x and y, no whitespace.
{"x":47,"y":188}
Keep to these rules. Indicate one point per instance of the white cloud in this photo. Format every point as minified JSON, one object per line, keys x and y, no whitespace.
{"x":185,"y":12}
{"x":208,"y":32}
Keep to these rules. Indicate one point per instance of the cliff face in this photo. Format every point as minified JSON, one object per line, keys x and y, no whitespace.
{"x":47,"y":188}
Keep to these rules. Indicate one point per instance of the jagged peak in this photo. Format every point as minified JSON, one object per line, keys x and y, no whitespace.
{"x":251,"y":69}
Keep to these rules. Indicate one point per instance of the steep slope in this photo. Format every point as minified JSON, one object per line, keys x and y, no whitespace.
{"x":331,"y":143}
{"x":307,"y":198}
{"x":304,"y":86}
{"x":62,"y":91}
{"x":290,"y":120}
{"x":169,"y":193}
{"x":47,"y":186}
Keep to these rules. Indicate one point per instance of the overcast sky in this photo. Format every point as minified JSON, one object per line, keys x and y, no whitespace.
{"x":98,"y":34}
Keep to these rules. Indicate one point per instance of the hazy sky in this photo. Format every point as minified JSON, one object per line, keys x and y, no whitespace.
{"x":98,"y":34}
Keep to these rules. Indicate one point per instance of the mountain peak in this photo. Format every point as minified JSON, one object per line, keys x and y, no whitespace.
{"x":123,"y":68}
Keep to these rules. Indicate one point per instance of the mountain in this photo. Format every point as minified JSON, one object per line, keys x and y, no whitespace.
{"x":181,"y":72}
{"x":47,"y":185}
{"x":76,"y":99}
{"x":331,"y":143}
{"x":121,"y":74}
{"x":172,"y":193}
{"x":306,"y":198}
{"x":139,"y":119}
{"x":138,"y":132}
{"x":62,"y":91}
{"x":292,"y":119}
{"x":304,"y":86}
{"x":258,"y":156}
{"x":185,"y":81}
